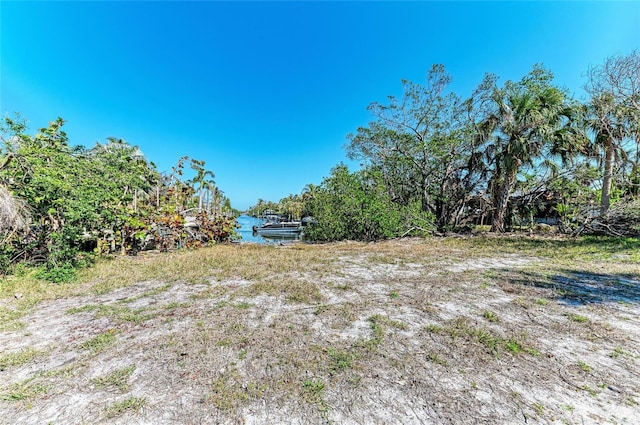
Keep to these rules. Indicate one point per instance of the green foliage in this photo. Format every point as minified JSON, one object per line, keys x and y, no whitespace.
{"x":61,"y":274}
{"x":105,"y":199}
{"x":356,"y":206}
{"x":529,"y":119}
{"x":423,"y":147}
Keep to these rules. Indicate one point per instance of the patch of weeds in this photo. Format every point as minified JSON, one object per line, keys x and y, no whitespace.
{"x":514,"y":346}
{"x":590,"y":390}
{"x":228,"y":391}
{"x":294,"y":290}
{"x":224,"y":343}
{"x":149,"y":293}
{"x":125,"y":314}
{"x":491,"y":341}
{"x":393,"y":295}
{"x":521,"y":302}
{"x":100,"y":342}
{"x":617,"y":352}
{"x":541,"y":301}
{"x":433,"y":328}
{"x":24,"y":391}
{"x":321,"y":309}
{"x":84,"y":309}
{"x":9,"y":319}
{"x":490,"y":316}
{"x":486,"y":338}
{"x":243,"y":354}
{"x":381,"y":259}
{"x":119,"y":408}
{"x":175,"y":304}
{"x":567,"y":407}
{"x":355,"y":380}
{"x":490,"y":274}
{"x":391,"y":322}
{"x":118,"y":379}
{"x":118,"y":312}
{"x":435,"y":358}
{"x":313,"y":391}
{"x":18,"y":358}
{"x":243,"y":305}
{"x":577,"y":318}
{"x":378,"y":333}
{"x":12,"y":325}
{"x":585,"y":367}
{"x":65,"y":372}
{"x":532,"y":351}
{"x":340,"y":360}
{"x":348,"y":311}
{"x":539,"y":408}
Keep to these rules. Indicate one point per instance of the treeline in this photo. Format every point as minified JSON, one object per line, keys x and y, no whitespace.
{"x":507,"y":155}
{"x":62,"y":205}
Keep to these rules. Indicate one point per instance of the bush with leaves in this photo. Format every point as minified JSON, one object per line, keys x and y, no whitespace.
{"x":106,"y":199}
{"x":356,"y":206}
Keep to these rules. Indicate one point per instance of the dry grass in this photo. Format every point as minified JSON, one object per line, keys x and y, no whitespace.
{"x":456,"y":330}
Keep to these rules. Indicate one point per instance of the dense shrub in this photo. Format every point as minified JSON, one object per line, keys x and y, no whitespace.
{"x":356,"y":206}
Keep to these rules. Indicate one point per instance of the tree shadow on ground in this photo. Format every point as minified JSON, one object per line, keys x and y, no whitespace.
{"x":577,"y":287}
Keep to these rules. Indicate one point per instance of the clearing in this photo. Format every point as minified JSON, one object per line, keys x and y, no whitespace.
{"x":413,"y":331}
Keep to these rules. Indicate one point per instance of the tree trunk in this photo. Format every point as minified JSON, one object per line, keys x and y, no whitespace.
{"x":608,"y":176}
{"x":501,"y":200}
{"x":424,"y":201}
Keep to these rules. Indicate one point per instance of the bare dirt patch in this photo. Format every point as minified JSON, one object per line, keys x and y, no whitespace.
{"x":405,"y":332}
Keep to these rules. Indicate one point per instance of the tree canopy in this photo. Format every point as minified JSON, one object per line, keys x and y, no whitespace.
{"x":507,"y":155}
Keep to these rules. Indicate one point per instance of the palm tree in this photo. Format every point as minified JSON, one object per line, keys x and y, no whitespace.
{"x":528,"y":117}
{"x":609,"y":123}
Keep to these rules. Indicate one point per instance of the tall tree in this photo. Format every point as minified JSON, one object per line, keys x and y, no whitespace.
{"x":614,"y":87}
{"x":420,"y":145}
{"x":528,"y":116}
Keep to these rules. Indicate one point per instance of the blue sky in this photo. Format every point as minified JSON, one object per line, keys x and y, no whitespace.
{"x":266,"y":92}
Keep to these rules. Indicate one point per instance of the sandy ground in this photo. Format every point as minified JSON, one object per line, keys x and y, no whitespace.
{"x":492,"y":340}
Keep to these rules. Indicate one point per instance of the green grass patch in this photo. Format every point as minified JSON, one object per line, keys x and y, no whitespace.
{"x":577,"y":318}
{"x":435,"y":358}
{"x":132,"y":404}
{"x":493,"y":343}
{"x":584,"y":367}
{"x":340,"y":360}
{"x":118,"y":312}
{"x":229,"y":391}
{"x":313,"y":392}
{"x":100,"y":342}
{"x":118,"y":379}
{"x":490,"y":316}
{"x":24,"y":391}
{"x":18,"y":358}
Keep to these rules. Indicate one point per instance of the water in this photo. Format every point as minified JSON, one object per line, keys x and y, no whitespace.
{"x":246,"y":232}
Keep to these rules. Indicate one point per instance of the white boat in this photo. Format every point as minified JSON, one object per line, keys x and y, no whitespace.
{"x":278,"y":225}
{"x":279,"y":228}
